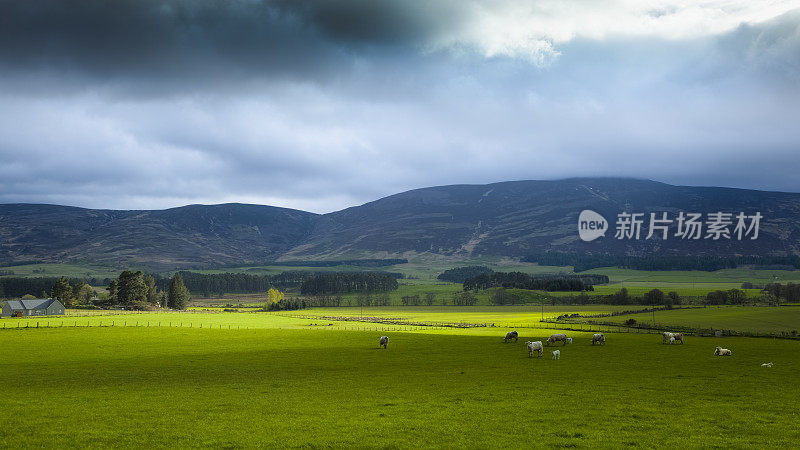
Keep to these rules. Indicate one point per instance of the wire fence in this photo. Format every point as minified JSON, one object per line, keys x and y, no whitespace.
{"x":378,"y":324}
{"x":18,"y":324}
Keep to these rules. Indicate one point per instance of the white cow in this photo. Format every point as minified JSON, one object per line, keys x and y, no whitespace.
{"x":769,"y":364}
{"x":556,"y":354}
{"x":384,"y":341}
{"x":569,"y":340}
{"x":557,"y":337}
{"x":535,"y":346}
{"x":722,"y":352}
{"x":599,"y":338}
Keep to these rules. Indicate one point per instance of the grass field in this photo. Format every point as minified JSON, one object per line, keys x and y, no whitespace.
{"x":58,"y":270}
{"x":500,"y":316}
{"x":135,"y":387}
{"x":762,"y":319}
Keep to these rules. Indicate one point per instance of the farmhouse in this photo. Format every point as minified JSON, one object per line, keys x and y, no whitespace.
{"x":32,"y":307}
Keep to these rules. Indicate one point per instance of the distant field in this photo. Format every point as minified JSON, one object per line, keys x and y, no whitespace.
{"x":736,"y":276}
{"x":151,"y":387}
{"x":780,"y":318}
{"x":500,"y":315}
{"x":58,"y":270}
{"x":683,"y":289}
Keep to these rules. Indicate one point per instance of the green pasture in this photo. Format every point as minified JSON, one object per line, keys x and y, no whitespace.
{"x":180,"y":387}
{"x":214,"y":318}
{"x":59,"y":270}
{"x":740,"y":318}
{"x":498,"y":315}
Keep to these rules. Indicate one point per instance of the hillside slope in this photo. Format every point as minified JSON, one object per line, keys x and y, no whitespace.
{"x":511,"y":219}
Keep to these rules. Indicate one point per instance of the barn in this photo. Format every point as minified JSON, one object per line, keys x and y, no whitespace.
{"x":32,"y":307}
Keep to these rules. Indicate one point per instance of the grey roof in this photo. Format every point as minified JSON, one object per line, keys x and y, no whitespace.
{"x":34,"y":303}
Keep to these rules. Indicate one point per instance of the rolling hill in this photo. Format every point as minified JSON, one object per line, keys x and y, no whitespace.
{"x":502,"y":219}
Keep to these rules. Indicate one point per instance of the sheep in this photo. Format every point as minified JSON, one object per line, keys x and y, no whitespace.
{"x":557,"y":337}
{"x":599,"y":338}
{"x":678,"y":337}
{"x":666,"y":335}
{"x":384,"y":341}
{"x":556,"y":354}
{"x":569,"y":340}
{"x":769,"y":364}
{"x":511,"y":335}
{"x":722,"y":352}
{"x":535,"y":346}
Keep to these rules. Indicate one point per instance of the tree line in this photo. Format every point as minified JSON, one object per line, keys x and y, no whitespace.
{"x":17,"y":287}
{"x":581,"y":261}
{"x":789,"y":291}
{"x":345,"y":282}
{"x":135,"y":290}
{"x":210,"y":284}
{"x":460,"y":274}
{"x":519,"y":280}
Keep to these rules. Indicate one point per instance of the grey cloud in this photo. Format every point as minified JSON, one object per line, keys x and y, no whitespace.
{"x":321,"y":106}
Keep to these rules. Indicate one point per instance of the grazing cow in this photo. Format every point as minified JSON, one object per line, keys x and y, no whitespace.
{"x":678,"y":337}
{"x":666,"y":335}
{"x":769,"y":364}
{"x":557,"y":337}
{"x":384,"y":341}
{"x":722,"y":352}
{"x":569,"y":340}
{"x":598,"y":338}
{"x":511,"y":335}
{"x":556,"y":354}
{"x":535,"y":346}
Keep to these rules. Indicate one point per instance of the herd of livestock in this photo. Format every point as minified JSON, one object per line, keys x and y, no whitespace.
{"x":597,"y":338}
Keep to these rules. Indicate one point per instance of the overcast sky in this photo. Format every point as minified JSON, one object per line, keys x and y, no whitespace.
{"x":323,"y":105}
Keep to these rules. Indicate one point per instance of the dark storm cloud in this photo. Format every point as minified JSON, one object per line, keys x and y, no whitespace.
{"x":208,"y":38}
{"x":378,"y":21}
{"x":145,"y":37}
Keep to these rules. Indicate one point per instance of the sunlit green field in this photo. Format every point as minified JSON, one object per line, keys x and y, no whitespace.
{"x":180,"y":387}
{"x":761,"y":319}
{"x":498,"y":315}
{"x":217,"y":319}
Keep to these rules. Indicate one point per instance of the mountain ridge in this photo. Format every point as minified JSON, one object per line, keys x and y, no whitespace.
{"x":503,"y":219}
